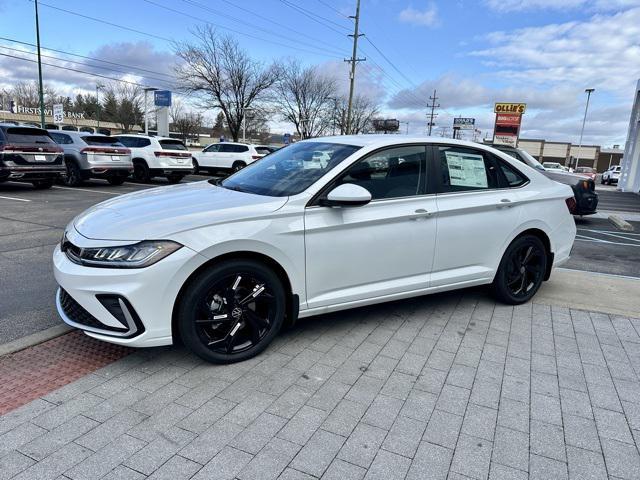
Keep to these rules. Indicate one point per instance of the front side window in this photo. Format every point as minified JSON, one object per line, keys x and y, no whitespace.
{"x":391,"y":173}
{"x":288,"y":171}
{"x":212,"y":148}
{"x":464,"y":169}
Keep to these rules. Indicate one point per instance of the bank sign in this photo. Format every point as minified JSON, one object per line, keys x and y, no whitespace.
{"x":47,"y":111}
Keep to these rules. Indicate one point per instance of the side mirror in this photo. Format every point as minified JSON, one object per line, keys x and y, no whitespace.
{"x":347,"y":195}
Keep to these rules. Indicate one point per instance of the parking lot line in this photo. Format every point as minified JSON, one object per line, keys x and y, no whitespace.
{"x":16,"y":199}
{"x":86,"y":190}
{"x":607,"y":231}
{"x":585,"y":238}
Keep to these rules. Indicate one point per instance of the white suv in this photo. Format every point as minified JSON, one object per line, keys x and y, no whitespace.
{"x":612,"y":175}
{"x":226,"y":156}
{"x":157,"y":157}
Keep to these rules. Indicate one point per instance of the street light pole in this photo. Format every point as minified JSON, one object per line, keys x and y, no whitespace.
{"x":588,"y":91}
{"x":40,"y":88}
{"x":98,"y":87}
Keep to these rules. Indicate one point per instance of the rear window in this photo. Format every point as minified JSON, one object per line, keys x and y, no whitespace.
{"x":28,"y":135}
{"x":102,"y":141}
{"x":172,"y":145}
{"x":263,"y":150}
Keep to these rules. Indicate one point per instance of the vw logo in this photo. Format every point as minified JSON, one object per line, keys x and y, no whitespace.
{"x":236,"y":313}
{"x":40,"y":149}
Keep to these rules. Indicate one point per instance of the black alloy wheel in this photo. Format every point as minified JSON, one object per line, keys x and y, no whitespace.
{"x":74,"y":176}
{"x":521,"y":270}
{"x":237,"y":166}
{"x":141,"y":172}
{"x":231,"y":312}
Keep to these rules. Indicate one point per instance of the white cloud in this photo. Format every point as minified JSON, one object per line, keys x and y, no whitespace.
{"x":527,"y":5}
{"x":425,"y":18}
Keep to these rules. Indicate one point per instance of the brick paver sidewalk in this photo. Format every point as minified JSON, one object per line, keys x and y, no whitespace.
{"x":448,"y":386}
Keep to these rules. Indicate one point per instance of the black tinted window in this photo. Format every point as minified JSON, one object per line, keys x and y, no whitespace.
{"x":172,"y":145}
{"x":27,"y":135}
{"x":130,"y":142}
{"x":395,"y":172}
{"x":263,"y":150}
{"x":241,"y":148}
{"x":463,"y":169}
{"x":61,"y":138}
{"x":100,"y":140}
{"x":226,"y":148}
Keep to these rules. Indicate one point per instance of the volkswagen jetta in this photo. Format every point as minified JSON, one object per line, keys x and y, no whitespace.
{"x":225,"y":265}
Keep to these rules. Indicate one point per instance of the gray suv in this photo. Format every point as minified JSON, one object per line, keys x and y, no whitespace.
{"x":89,"y":155}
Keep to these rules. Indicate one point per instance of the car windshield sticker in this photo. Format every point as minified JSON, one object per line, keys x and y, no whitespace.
{"x":466,"y":170}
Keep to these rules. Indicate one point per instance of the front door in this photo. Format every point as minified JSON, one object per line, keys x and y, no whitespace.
{"x":382,"y":248}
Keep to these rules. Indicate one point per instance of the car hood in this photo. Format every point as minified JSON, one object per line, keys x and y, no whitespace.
{"x":566,"y":178}
{"x":160,"y":212}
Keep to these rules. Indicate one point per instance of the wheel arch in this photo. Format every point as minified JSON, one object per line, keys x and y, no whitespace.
{"x":544,"y":238}
{"x":292,"y":299}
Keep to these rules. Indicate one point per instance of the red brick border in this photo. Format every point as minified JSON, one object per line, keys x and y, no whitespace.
{"x":38,"y":370}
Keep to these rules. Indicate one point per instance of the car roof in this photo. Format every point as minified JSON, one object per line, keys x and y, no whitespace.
{"x":380,"y":140}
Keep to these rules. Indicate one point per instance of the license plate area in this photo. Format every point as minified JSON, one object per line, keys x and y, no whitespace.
{"x":40,"y":158}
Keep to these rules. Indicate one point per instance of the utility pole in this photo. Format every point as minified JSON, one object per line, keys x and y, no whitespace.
{"x":98,"y":87}
{"x":40,"y":88}
{"x":353,"y":60}
{"x":588,"y":91}
{"x":433,"y":106}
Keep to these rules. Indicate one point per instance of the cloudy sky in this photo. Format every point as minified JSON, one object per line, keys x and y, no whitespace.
{"x":473,"y":52}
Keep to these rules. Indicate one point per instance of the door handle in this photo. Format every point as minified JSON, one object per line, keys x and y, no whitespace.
{"x":420,"y":213}
{"x":505,"y":203}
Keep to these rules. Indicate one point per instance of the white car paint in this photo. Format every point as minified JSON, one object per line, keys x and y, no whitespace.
{"x":225,"y":155}
{"x":612,"y":175}
{"x":334,"y":258}
{"x":160,"y":160}
{"x":555,"y":167}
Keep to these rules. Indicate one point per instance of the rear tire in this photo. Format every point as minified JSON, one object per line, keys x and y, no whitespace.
{"x":196,"y":167}
{"x":74,"y":175}
{"x":116,"y":180}
{"x":42,"y":184}
{"x":521,"y":271}
{"x":175,"y":178}
{"x":215,"y":320}
{"x":238,"y":165}
{"x":141,"y":171}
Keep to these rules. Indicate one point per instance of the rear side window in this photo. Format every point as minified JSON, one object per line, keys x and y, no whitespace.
{"x":463,"y":169}
{"x":172,"y":145}
{"x":511,"y":175}
{"x":239,"y":148}
{"x":102,"y":141}
{"x":134,"y":142}
{"x":27,"y":135}
{"x":263,"y":151}
{"x":226,"y":148}
{"x":61,"y":138}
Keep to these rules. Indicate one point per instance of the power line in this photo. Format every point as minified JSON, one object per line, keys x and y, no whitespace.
{"x":77,"y":63}
{"x":130,"y":67}
{"x":75,"y":70}
{"x":316,"y":18}
{"x":179,"y":12}
{"x":259,"y":27}
{"x":328,"y":5}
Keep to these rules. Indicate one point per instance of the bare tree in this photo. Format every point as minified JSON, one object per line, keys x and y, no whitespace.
{"x":305,"y":97}
{"x":363,"y":111}
{"x":222,"y":76}
{"x":26,"y":94}
{"x":186,"y":123}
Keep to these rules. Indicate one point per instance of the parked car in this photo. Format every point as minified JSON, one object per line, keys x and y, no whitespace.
{"x":89,"y":155}
{"x":222,"y":265}
{"x":157,"y":157}
{"x":586,"y":172}
{"x":29,"y":154}
{"x":226,"y":156}
{"x":263,"y":150}
{"x":612,"y":175}
{"x":555,"y":167}
{"x":584,"y":189}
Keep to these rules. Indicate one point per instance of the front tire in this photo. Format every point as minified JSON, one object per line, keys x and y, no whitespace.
{"x":521,"y":270}
{"x":231,"y":311}
{"x":196,"y":167}
{"x":141,"y":172}
{"x":237,"y":166}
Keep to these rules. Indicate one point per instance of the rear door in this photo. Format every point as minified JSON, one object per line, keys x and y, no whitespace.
{"x":478,"y":208}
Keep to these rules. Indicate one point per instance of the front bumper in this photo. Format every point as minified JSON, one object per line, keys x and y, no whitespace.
{"x":147,"y":294}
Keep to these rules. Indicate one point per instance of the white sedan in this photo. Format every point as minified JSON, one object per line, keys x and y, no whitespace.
{"x":225,"y":265}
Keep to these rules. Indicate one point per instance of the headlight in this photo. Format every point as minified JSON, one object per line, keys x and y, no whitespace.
{"x":138,"y":255}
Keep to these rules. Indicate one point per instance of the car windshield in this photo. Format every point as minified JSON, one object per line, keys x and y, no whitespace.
{"x":98,"y":140}
{"x":288,"y":171}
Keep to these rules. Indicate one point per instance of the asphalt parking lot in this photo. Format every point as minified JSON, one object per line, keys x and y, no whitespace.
{"x":31,"y":223}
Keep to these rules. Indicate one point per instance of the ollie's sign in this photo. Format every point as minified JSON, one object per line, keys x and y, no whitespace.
{"x":508,"y":120}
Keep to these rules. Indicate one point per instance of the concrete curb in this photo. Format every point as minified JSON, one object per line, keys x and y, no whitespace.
{"x":34,"y":339}
{"x":620,"y":223}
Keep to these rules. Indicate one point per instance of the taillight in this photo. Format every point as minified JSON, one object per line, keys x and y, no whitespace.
{"x":172,"y":154}
{"x":106,"y":150}
{"x":30,"y":148}
{"x":256,"y":157}
{"x":571,"y":204}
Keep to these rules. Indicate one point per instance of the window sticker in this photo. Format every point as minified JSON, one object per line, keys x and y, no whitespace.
{"x":466,"y":170}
